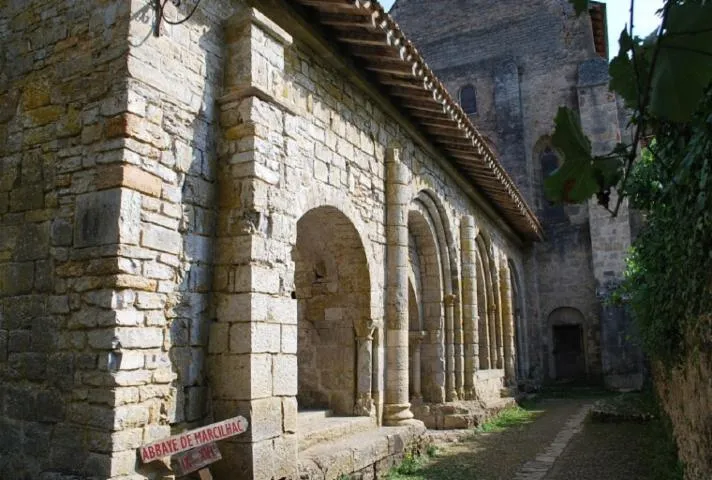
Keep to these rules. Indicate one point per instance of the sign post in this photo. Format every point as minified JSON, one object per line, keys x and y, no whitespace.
{"x":195,"y":449}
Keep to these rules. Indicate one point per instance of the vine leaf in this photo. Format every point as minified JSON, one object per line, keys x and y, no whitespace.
{"x":575,"y":180}
{"x":684,"y":65}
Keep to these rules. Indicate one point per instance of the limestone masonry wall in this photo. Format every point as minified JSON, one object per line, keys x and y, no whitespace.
{"x":186,"y":218}
{"x":686,"y":394}
{"x":62,"y":92}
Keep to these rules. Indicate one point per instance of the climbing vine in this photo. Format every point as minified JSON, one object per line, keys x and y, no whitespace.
{"x":664,"y":80}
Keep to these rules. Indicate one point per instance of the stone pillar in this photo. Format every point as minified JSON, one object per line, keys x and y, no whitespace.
{"x":470,"y":318}
{"x":505,"y":283}
{"x":248,"y":375}
{"x":459,"y":343}
{"x":415,"y":338}
{"x":396,"y":409}
{"x":498,"y":333}
{"x":450,"y":385}
{"x":364,"y":406}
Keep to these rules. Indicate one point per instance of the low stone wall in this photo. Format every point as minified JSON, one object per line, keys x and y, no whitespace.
{"x":686,"y":395}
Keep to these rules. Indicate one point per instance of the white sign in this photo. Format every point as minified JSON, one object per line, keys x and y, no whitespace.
{"x":193,"y":439}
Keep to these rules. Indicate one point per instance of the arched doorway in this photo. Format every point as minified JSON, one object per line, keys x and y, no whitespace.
{"x":333,"y":298}
{"x":567,"y":335}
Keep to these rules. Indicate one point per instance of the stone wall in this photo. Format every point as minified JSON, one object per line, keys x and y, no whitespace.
{"x":62,"y":93}
{"x":686,"y":395}
{"x":150,"y":200}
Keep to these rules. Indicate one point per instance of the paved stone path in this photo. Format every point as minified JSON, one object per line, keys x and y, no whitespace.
{"x":557,"y":445}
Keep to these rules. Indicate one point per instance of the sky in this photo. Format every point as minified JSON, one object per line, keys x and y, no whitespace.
{"x":618,"y":17}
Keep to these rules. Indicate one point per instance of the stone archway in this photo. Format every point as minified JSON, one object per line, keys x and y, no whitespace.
{"x":426,"y":267}
{"x":486,"y":306}
{"x":332,"y":287}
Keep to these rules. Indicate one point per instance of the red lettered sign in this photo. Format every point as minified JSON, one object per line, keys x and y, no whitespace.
{"x":193,"y":439}
{"x":192,"y":460}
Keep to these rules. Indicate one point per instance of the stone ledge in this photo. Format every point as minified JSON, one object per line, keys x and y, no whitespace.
{"x":367,"y":455}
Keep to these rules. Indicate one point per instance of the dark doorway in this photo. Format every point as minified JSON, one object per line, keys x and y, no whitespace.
{"x":569,"y":357}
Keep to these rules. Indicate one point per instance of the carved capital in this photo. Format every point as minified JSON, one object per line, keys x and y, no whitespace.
{"x":450,"y":300}
{"x":416,"y":337}
{"x":364,"y":329}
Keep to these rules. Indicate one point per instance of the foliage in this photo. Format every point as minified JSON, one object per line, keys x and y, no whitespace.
{"x":507,"y":418}
{"x":669,"y":272}
{"x":664,"y":80}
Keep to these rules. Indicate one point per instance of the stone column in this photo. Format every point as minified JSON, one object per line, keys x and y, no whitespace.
{"x":364,"y":406}
{"x":498,"y":335}
{"x":396,"y":409}
{"x":416,"y":338}
{"x":470,"y":318}
{"x":450,"y":385}
{"x":458,"y":343}
{"x":507,"y":322}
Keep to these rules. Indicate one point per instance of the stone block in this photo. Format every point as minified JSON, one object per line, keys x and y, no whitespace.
{"x":255,"y":337}
{"x":130,"y":416}
{"x":289,"y":414}
{"x":33,"y":242}
{"x":284,"y":375}
{"x":265,"y":416}
{"x":17,"y":278}
{"x":19,"y":341}
{"x":195,"y":403}
{"x":129,"y":176}
{"x":107,"y":217}
{"x":289,"y":339}
{"x":161,"y":239}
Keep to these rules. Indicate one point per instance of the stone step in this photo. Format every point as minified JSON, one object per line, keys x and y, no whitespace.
{"x":309,"y":415}
{"x":372,"y":452}
{"x":313,"y":430}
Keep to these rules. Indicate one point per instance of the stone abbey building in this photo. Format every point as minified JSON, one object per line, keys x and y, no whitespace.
{"x":275,"y":209}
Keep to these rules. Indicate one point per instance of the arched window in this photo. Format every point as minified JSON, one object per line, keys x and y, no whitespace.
{"x":468,"y":99}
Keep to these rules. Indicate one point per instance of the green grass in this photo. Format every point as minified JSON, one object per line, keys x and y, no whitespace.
{"x":507,"y":418}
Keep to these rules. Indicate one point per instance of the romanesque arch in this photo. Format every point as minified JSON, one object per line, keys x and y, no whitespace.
{"x":427,"y":287}
{"x":332,"y":287}
{"x":486,"y":305}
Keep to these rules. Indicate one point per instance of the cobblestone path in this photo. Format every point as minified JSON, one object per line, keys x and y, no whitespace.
{"x":557,"y":445}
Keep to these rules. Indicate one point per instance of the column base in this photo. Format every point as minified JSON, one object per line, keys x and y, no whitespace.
{"x":395,"y":414}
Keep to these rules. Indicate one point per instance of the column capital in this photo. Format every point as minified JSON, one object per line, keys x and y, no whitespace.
{"x":415,"y":337}
{"x":450,"y":299}
{"x":364,"y":329}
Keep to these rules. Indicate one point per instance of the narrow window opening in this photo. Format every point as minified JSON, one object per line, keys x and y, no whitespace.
{"x":468,"y":99}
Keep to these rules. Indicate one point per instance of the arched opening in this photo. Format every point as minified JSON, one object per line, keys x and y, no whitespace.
{"x":485,"y":307}
{"x":426,"y":267}
{"x":567,"y":331}
{"x":520,"y":329}
{"x":333,"y":298}
{"x":468,"y":99}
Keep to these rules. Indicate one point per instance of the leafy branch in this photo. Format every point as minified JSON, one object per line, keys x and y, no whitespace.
{"x":660,"y":78}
